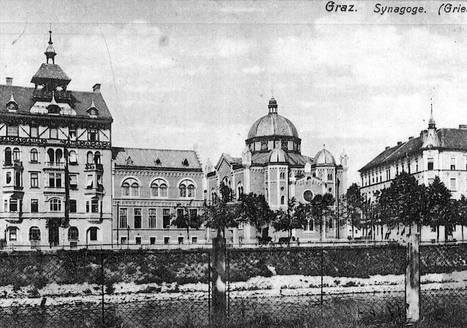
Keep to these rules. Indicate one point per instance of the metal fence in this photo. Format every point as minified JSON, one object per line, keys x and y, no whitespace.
{"x":341,"y":286}
{"x":105,"y":289}
{"x":292,"y":284}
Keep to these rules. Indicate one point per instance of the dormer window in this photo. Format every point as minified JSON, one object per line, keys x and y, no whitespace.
{"x":157,"y":162}
{"x":92,"y":110}
{"x":12,"y":105}
{"x":185,"y":162}
{"x":129,"y":161}
{"x":93,"y":135}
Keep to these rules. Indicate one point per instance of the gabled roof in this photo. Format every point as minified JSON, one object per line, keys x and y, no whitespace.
{"x":229,"y":159}
{"x":81,"y":101}
{"x":450,"y":139}
{"x":156,"y":158}
{"x":50,"y":71}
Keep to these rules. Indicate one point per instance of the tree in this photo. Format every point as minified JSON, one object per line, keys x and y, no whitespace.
{"x":254,"y":209}
{"x":404,"y":202}
{"x":187,"y":218}
{"x":441,"y":210}
{"x":462,"y":213}
{"x":221,"y":213}
{"x":353,"y":205}
{"x":320,"y":206}
{"x":294,"y":217}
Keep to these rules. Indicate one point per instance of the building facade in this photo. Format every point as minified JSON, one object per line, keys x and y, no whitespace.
{"x":152,"y":187}
{"x":436,"y":152}
{"x":272,"y":165}
{"x":56,"y":146}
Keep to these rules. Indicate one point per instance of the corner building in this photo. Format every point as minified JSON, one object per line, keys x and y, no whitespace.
{"x":56,"y":146}
{"x":435,"y":152}
{"x":272,"y":165}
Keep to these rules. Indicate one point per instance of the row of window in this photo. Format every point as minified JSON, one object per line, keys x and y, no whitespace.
{"x":13,"y":131}
{"x":159,"y":188}
{"x":54,"y":205}
{"x":35,"y":234}
{"x":152,"y":240}
{"x":54,"y":156}
{"x":151,"y":221}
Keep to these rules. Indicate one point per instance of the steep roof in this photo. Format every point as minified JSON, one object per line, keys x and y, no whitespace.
{"x":292,"y":158}
{"x":81,"y":101}
{"x":450,"y":139}
{"x":168,"y":158}
{"x":50,"y":71}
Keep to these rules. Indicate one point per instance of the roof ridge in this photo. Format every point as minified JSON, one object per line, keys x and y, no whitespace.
{"x":160,"y":149}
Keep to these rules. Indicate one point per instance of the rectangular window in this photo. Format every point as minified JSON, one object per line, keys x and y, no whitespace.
{"x":87,"y":206}
{"x":179,"y":212}
{"x":55,"y":180}
{"x":12,"y":234}
{"x":73,"y":181}
{"x":13,"y":131}
{"x":34,"y":132}
{"x":166,"y":217}
{"x":453,"y":163}
{"x":72,"y":133}
{"x":93,"y":234}
{"x":123,"y":240}
{"x":193,"y":213}
{"x":13,"y":205}
{"x":73,"y":206}
{"x":152,"y":240}
{"x":152,"y":218}
{"x":430,"y":164}
{"x":95,"y":206}
{"x":166,"y":240}
{"x":89,"y":181}
{"x":137,"y":218}
{"x":123,"y":218}
{"x":34,"y":180}
{"x":93,"y":135}
{"x":138,"y":240}
{"x":194,"y":240}
{"x":452,"y":184}
{"x":53,"y":133}
{"x":180,"y":240}
{"x":329,"y":176}
{"x":34,"y":205}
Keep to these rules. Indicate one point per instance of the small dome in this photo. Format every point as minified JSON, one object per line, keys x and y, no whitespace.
{"x":277,"y":155}
{"x":273,"y":101}
{"x":324,"y":157}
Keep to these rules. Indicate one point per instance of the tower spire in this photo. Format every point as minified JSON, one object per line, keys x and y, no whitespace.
{"x":50,"y":51}
{"x":431,"y":122}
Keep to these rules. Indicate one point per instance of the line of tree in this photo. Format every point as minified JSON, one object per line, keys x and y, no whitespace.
{"x":406,"y":205}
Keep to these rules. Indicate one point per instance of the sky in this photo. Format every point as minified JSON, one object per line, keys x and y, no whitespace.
{"x":198,"y":74}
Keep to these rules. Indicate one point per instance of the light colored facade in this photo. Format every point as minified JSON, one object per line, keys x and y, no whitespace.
{"x":150,"y":187}
{"x":436,"y":152}
{"x":272,"y":165}
{"x":56,"y":147}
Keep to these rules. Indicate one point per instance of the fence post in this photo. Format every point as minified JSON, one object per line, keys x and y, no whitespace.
{"x":412,"y":281}
{"x":219,"y":282}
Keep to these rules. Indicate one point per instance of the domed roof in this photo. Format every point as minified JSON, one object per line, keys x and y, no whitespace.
{"x":273,"y":124}
{"x":324,"y":157}
{"x":277,"y":155}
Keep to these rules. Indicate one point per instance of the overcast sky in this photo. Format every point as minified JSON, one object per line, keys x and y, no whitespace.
{"x":184,"y":74}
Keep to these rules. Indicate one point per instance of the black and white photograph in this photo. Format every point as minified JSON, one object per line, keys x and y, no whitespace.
{"x":234,"y":164}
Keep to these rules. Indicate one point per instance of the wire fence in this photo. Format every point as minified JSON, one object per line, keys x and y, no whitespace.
{"x":324,"y":286}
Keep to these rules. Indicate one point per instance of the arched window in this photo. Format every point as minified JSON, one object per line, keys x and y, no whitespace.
{"x":8,"y":160}
{"x":282,"y":200}
{"x":55,"y":205}
{"x":239,"y":190}
{"x":58,"y":155}
{"x":159,"y":188}
{"x":72,"y":158}
{"x":16,"y":154}
{"x":73,"y":233}
{"x":89,"y":157}
{"x":34,"y":155}
{"x":130,"y":188}
{"x":34,"y":234}
{"x":187,"y":188}
{"x":51,"y":154}
{"x":97,"y":157}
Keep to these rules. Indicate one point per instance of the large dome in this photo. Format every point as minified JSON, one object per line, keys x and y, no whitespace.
{"x":324,"y":157}
{"x":273,"y":124}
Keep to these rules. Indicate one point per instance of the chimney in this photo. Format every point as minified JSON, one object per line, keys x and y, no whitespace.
{"x":9,"y":81}
{"x":463,"y":126}
{"x":399,"y":143}
{"x":96,"y":87}
{"x":387,"y":147}
{"x":410,"y":138}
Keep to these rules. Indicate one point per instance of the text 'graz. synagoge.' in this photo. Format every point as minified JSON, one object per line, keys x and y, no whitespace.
{"x":65,"y":185}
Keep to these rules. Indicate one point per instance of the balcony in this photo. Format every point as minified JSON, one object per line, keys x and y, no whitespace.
{"x":94,"y":167}
{"x":45,"y":95}
{"x":90,"y":190}
{"x":15,"y":164}
{"x":8,"y":189}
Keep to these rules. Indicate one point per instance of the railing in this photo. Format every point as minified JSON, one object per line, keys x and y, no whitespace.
{"x":55,"y":164}
{"x":41,"y":94}
{"x":94,"y":167}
